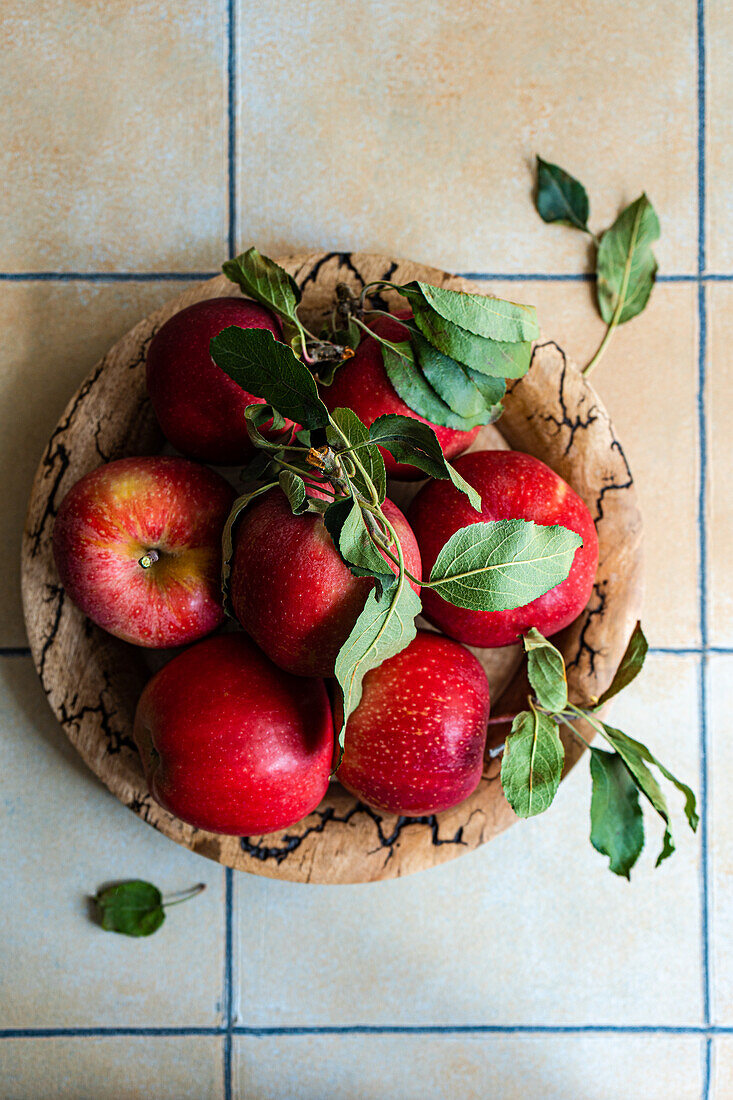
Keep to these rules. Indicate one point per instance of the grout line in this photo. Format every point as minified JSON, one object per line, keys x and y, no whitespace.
{"x":706,"y":1068}
{"x":370,"y":1029}
{"x":15,"y":651}
{"x":228,"y":980}
{"x":232,"y":125}
{"x":198,"y":276}
{"x":702,"y":531}
{"x":106,"y":276}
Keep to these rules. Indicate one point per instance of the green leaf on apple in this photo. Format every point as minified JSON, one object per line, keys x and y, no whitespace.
{"x":631,"y":665}
{"x":479,"y":314}
{"x":415,"y":390}
{"x":532,"y":763}
{"x":257,"y":417}
{"x":503,"y":564}
{"x":227,"y":542}
{"x":560,"y":197}
{"x":449,"y":379}
{"x":346,"y":432}
{"x":546,"y":671}
{"x":346,"y":523}
{"x":626,"y":266}
{"x":410,"y":441}
{"x":294,"y":489}
{"x":385,"y":626}
{"x":492,"y":390}
{"x":267,"y":368}
{"x":495,"y":358}
{"x":265,"y":281}
{"x":617,"y":822}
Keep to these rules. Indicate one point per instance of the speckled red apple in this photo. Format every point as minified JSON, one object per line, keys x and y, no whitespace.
{"x":199,"y":408}
{"x":415,"y":744}
{"x":231,"y":744}
{"x":512,"y":486}
{"x":137,"y":545}
{"x":290,"y":589}
{"x":362,"y":384}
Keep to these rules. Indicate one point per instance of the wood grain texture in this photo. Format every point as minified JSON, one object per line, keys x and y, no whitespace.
{"x":93,"y":680}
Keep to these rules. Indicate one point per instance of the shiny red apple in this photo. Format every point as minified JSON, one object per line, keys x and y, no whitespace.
{"x":512,"y":486}
{"x":362,"y":384}
{"x":290,"y":589}
{"x":199,"y":408}
{"x":231,"y":744}
{"x":137,"y":544}
{"x":415,"y":744}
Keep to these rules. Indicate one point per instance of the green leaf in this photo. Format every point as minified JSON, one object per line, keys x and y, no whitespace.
{"x":384,"y":628}
{"x":637,"y":748}
{"x":266,"y":368}
{"x":503,"y":564}
{"x":414,"y":389}
{"x":257,"y":417}
{"x":616,"y":820}
{"x":626,"y":265}
{"x":631,"y":665}
{"x":449,"y":378}
{"x":479,"y":314}
{"x":546,"y":671}
{"x":134,"y":908}
{"x":265,"y":281}
{"x":346,"y":524}
{"x":357,"y":434}
{"x":294,"y":489}
{"x":633,"y":755}
{"x":496,"y":358}
{"x":227,"y":543}
{"x":531,"y":766}
{"x":415,"y":443}
{"x":560,"y":197}
{"x":492,"y":390}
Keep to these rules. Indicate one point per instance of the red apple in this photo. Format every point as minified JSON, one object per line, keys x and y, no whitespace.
{"x":512,"y":486}
{"x":290,"y":589}
{"x":362,"y":384}
{"x":199,"y":408}
{"x":231,"y":744}
{"x":415,"y":744}
{"x":137,"y":545}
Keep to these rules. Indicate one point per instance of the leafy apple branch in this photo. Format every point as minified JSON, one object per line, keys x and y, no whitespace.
{"x":625,"y":264}
{"x":534,"y":757}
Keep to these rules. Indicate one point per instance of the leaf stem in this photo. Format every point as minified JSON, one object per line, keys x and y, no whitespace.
{"x":187,"y":895}
{"x":367,"y":480}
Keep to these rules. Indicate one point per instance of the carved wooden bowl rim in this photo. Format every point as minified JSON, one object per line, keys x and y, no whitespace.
{"x":92,"y":680}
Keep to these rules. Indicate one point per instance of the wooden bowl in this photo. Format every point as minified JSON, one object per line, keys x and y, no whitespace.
{"x":93,"y":680}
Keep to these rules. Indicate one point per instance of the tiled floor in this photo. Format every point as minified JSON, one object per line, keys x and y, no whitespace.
{"x":146,"y":141}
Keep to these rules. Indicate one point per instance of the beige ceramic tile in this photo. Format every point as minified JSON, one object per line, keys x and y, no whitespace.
{"x":719,"y":26}
{"x":122,"y":1068}
{"x":530,"y":929}
{"x":548,"y":1067}
{"x":53,"y":333}
{"x":721,"y":835}
{"x":720,"y":464}
{"x":115,"y":136}
{"x":67,"y":836}
{"x":722,"y":1069}
{"x":648,"y":382}
{"x":360,"y":128}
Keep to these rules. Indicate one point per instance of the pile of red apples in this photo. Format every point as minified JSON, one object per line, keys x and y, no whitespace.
{"x":236,"y":730}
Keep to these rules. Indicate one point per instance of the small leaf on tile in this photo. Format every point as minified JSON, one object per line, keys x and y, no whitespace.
{"x":560,"y":197}
{"x":136,"y":908}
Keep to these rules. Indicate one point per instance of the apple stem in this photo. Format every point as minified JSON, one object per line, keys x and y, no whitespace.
{"x":149,"y":559}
